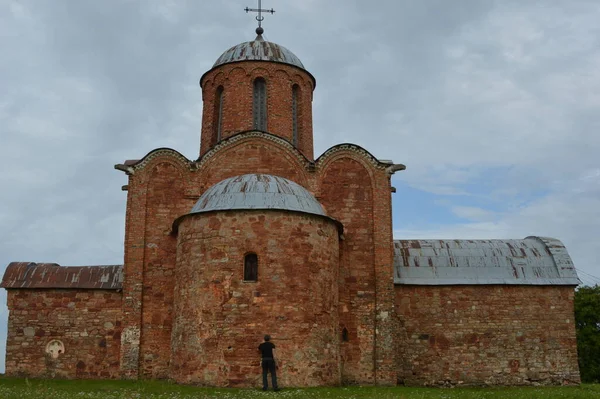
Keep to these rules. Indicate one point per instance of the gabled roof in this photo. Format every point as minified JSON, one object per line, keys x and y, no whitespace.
{"x":531,"y":261}
{"x":51,"y":275}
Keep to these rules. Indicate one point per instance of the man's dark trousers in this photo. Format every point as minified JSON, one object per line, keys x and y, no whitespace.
{"x":268,"y":366}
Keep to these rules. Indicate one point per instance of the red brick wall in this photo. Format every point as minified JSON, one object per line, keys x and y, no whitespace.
{"x":88,"y":322}
{"x":507,"y":335}
{"x":155,"y":198}
{"x":164,"y":203}
{"x":237,"y":81}
{"x":164,"y":189}
{"x":385,"y":322}
{"x":220,"y":319}
{"x":251,"y":155}
{"x":348,"y":188}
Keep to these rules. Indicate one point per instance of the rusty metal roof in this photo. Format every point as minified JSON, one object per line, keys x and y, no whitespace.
{"x":258,"y":191}
{"x":259,"y":50}
{"x":531,"y":261}
{"x":51,"y":275}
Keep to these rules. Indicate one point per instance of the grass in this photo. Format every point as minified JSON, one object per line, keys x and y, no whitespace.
{"x":16,"y":388}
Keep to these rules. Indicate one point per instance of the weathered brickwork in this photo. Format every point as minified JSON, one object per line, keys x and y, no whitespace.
{"x":84,"y":325}
{"x":220,"y":318}
{"x":506,"y":335}
{"x":168,"y":186}
{"x":346,"y":193}
{"x":164,"y":203}
{"x":237,"y":81}
{"x":348,"y":188}
{"x":385,"y":322}
{"x":159,"y":193}
{"x":250,"y":155}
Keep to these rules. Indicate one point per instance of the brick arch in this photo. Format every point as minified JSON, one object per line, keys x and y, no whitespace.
{"x":219,"y":79}
{"x":351,"y":150}
{"x":323,"y":166}
{"x":230,"y":141}
{"x":214,"y":81}
{"x":236,"y":70}
{"x":283,"y":73}
{"x":259,"y":72}
{"x":251,"y":155}
{"x":300,"y":80}
{"x":144,"y":167}
{"x":340,"y":171}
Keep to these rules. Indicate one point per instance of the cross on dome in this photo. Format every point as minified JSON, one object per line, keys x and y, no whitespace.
{"x":259,"y":17}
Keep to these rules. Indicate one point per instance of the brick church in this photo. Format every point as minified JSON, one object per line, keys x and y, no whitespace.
{"x":258,"y":236}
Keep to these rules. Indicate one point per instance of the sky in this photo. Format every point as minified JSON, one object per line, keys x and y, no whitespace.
{"x":493,"y":106}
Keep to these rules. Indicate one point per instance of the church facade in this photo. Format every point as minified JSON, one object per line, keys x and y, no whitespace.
{"x":258,"y":236}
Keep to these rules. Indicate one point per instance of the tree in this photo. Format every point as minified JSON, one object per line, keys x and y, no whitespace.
{"x":587,"y":323}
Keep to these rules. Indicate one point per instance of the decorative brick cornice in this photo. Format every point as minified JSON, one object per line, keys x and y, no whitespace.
{"x":159,"y":152}
{"x":247,"y":66}
{"x":233,"y":140}
{"x":130,"y":169}
{"x":389,"y":167}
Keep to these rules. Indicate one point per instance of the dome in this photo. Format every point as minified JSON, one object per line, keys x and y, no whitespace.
{"x":258,"y":191}
{"x":259,"y":50}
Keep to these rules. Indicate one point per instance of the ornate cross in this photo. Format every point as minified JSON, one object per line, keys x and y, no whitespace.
{"x":259,"y":18}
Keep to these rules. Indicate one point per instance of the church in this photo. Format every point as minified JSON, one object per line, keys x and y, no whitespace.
{"x":258,"y":236}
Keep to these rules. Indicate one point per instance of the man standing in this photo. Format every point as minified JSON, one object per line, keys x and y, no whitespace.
{"x":268,"y":363}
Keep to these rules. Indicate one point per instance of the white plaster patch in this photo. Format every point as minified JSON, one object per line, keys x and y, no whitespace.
{"x":130,"y":336}
{"x":55,"y":348}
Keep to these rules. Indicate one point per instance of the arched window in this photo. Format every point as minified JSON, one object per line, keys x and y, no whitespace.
{"x":259,"y":104}
{"x":218,"y":115}
{"x":295,"y":105}
{"x":251,"y":267}
{"x":345,"y":337}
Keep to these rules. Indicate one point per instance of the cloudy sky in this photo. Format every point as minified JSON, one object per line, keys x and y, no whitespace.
{"x":492,"y":105}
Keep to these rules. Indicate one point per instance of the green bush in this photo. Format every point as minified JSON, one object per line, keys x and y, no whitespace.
{"x":587,"y":322}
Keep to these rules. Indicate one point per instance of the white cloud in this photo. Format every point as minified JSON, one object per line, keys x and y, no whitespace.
{"x":473,"y":213}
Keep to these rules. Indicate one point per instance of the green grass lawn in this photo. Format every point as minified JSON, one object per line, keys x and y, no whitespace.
{"x":13,"y":388}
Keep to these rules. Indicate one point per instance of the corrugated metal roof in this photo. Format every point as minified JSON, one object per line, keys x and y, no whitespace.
{"x":259,"y":50}
{"x":258,"y":191}
{"x":52,"y":275}
{"x":531,"y":261}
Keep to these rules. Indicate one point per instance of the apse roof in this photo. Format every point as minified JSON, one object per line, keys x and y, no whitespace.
{"x":258,"y":191}
{"x":531,"y":261}
{"x":259,"y":50}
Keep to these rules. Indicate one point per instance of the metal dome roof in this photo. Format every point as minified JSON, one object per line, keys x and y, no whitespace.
{"x":259,"y":50}
{"x":258,"y":191}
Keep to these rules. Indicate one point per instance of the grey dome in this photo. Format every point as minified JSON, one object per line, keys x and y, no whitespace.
{"x":258,"y":191}
{"x":259,"y":50}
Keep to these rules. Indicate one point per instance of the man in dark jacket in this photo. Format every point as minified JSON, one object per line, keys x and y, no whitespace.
{"x":268,"y":363}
